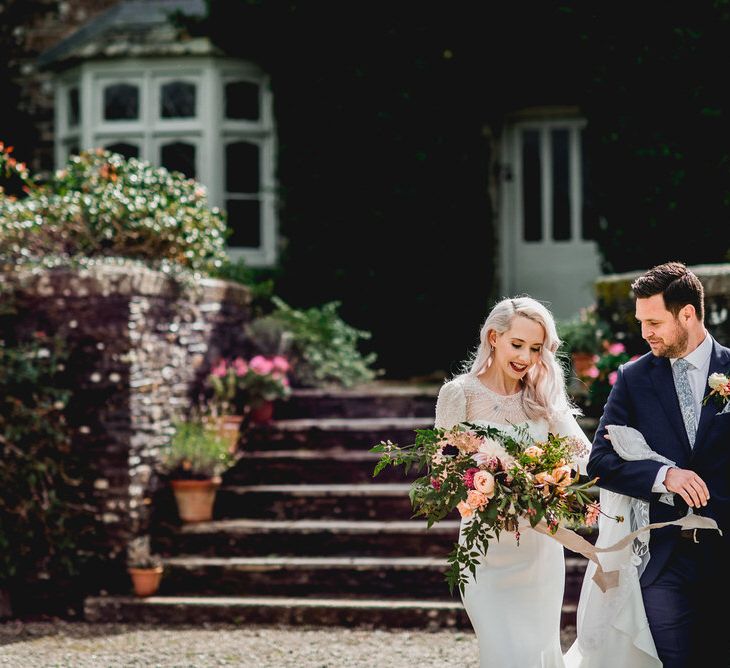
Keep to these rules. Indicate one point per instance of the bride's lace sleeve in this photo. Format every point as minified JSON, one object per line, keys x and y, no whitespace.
{"x":450,"y":405}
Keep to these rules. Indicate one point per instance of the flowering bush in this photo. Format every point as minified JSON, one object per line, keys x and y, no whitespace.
{"x":101,"y":204}
{"x":601,"y":376}
{"x":495,"y":479}
{"x":196,"y":451}
{"x":239,"y":383}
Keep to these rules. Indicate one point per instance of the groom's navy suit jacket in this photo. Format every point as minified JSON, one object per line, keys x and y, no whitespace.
{"x":644,"y":397}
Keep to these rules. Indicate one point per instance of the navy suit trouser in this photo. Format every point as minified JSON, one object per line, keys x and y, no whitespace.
{"x":679,"y":605}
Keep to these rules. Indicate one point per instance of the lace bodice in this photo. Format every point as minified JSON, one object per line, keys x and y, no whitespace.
{"x":467,"y":399}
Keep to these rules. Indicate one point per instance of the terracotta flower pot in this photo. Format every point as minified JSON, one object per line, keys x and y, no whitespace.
{"x":146,"y":581}
{"x":582,"y":362}
{"x":195,"y":498}
{"x":262,"y":413}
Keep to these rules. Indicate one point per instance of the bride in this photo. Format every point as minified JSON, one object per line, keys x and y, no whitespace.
{"x":513,"y":378}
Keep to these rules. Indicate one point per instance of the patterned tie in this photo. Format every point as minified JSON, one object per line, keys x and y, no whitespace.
{"x":686,"y":400}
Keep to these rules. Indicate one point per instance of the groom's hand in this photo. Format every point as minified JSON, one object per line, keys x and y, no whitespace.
{"x":688,"y":485}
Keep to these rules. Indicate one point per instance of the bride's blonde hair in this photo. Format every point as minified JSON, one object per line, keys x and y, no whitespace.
{"x":544,"y":393}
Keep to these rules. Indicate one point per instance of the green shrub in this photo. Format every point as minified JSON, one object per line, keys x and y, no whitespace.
{"x":583,"y":333}
{"x":322,"y":348}
{"x":196,"y":452}
{"x":102,"y":205}
{"x":47,"y":524}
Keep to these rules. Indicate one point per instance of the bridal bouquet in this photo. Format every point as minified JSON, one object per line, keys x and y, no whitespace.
{"x":495,"y":478}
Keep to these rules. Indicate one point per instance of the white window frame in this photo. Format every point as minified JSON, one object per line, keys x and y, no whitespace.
{"x":208,"y":131}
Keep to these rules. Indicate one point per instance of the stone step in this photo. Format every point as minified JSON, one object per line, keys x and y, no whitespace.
{"x":379,"y":399}
{"x":293,"y":611}
{"x":319,"y":433}
{"x":335,"y":577}
{"x":312,"y":466}
{"x":311,"y":537}
{"x":369,"y":500}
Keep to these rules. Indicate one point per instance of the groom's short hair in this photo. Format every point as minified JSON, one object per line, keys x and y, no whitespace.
{"x":676,"y":283}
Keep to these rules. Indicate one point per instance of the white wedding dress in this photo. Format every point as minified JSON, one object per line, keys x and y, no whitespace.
{"x":515,"y":602}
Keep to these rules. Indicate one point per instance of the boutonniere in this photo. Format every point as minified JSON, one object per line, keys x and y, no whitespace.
{"x":719,"y":389}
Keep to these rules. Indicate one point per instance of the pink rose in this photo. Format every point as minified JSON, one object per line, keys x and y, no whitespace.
{"x":593,"y":372}
{"x":612,"y":377}
{"x":240,"y":366}
{"x":219,"y":370}
{"x":484,"y":483}
{"x":260,"y":365}
{"x":616,"y":349}
{"x":281,"y":364}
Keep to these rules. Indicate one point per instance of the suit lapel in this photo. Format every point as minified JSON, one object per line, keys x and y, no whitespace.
{"x":661,"y":377}
{"x":719,"y":363}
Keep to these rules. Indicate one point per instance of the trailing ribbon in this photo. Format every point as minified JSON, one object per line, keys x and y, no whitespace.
{"x":608,"y":579}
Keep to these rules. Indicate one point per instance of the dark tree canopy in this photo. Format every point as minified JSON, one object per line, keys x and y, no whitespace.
{"x":386,"y":117}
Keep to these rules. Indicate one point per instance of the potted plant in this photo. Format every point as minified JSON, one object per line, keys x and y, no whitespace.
{"x":194,"y":461}
{"x":223,"y":405}
{"x":264,"y":382}
{"x":144,"y":568}
{"x":581,"y":337}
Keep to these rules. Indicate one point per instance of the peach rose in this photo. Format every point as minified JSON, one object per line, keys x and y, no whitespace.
{"x":476,"y":500}
{"x":484,"y":483}
{"x":465,"y":510}
{"x":534,"y":451}
{"x":562,"y":475}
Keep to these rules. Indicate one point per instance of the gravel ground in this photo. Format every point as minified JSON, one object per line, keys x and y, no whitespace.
{"x":61,"y":644}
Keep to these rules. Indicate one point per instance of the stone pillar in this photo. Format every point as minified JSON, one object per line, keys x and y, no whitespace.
{"x":138,"y":344}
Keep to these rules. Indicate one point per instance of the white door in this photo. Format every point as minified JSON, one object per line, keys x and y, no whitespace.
{"x":546,"y":221}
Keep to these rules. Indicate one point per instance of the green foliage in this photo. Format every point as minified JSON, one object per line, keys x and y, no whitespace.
{"x":259,"y":281}
{"x":321,"y":346}
{"x":47,"y":524}
{"x":196,"y":451}
{"x":102,"y":205}
{"x":583,"y":333}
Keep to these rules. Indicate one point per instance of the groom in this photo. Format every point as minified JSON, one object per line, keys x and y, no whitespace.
{"x":661,"y":395}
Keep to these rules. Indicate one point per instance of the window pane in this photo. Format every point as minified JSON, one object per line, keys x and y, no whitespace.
{"x":589,"y":217}
{"x":127,"y":150}
{"x":121,"y":102}
{"x":177,"y":100}
{"x":531,"y":186}
{"x":244,"y":218}
{"x":242,"y":167}
{"x":561,"y":184}
{"x":73,"y":106}
{"x":242,"y":100}
{"x":73,"y":149}
{"x":179,"y":157}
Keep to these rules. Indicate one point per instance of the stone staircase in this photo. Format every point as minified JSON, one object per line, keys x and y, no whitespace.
{"x":303,"y":534}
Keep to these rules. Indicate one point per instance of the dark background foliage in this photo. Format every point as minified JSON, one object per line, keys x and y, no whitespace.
{"x":386,"y":115}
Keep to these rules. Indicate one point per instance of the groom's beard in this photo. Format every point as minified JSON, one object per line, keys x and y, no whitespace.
{"x":677,"y":347}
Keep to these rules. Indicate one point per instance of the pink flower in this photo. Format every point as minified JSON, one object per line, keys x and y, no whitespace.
{"x":635,"y":357}
{"x":616,"y":349}
{"x":476,"y":500}
{"x":469,"y":477}
{"x":281,"y":363}
{"x":436,"y":484}
{"x":612,"y":377}
{"x":239,"y":364}
{"x":219,"y":369}
{"x":261,"y":365}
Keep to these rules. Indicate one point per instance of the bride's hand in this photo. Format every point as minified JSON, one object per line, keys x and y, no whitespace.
{"x":688,"y":485}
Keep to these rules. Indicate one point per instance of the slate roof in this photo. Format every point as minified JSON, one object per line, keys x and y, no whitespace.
{"x":129,"y":29}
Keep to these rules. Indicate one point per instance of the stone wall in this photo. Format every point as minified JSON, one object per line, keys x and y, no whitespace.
{"x":139,"y":345}
{"x":615,"y":304}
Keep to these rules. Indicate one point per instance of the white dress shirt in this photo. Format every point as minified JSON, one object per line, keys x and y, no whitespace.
{"x":697,"y":372}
